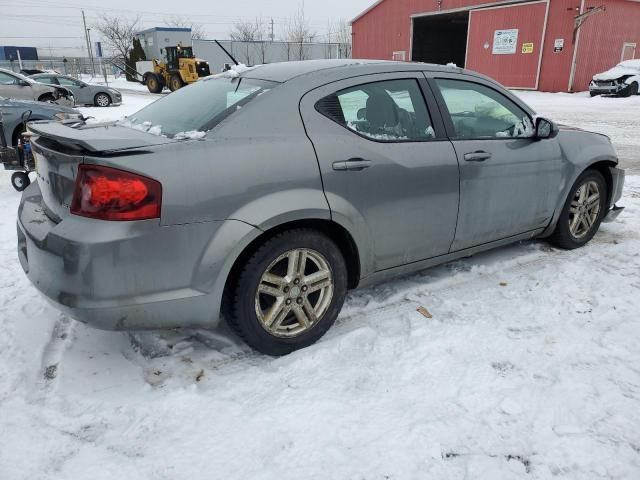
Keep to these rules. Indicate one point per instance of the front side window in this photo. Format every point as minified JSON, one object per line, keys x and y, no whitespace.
{"x":68,"y":82}
{"x":479,"y":112}
{"x":392,"y":111}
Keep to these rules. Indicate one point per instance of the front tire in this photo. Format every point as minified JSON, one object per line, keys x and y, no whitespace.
{"x":154,"y":83}
{"x":630,"y":91}
{"x":102,"y":100}
{"x":175,"y":82}
{"x":289,"y":292}
{"x":582,"y":213}
{"x":20,"y":181}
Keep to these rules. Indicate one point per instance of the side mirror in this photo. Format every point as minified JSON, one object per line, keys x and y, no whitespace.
{"x":545,"y":128}
{"x":24,"y":83}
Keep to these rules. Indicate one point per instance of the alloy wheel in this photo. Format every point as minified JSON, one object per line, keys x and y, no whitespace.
{"x":294,"y":293}
{"x":584,"y":210}
{"x":102,"y":100}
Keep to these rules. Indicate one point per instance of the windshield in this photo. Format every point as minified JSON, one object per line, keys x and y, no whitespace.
{"x":199,"y":107}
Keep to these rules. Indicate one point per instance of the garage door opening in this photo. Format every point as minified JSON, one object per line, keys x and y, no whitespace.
{"x":441,"y":38}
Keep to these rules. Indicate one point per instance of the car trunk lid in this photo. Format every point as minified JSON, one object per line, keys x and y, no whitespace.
{"x":59,"y":149}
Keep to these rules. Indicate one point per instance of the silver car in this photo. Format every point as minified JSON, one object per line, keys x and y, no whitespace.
{"x":262,"y":196}
{"x":16,"y":85}
{"x":85,"y":93}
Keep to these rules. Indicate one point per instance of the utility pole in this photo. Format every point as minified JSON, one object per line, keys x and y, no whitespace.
{"x":88,"y":40}
{"x":272,"y":36}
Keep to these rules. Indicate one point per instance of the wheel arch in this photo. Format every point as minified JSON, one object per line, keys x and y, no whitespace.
{"x":604,"y":167}
{"x":339,"y":234}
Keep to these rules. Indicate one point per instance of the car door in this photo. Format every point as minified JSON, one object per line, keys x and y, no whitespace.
{"x":386,"y":164}
{"x":82,"y":94}
{"x":507,"y":176}
{"x":12,"y":87}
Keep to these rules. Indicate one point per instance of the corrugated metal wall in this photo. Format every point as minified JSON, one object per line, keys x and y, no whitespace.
{"x":556,"y":63}
{"x":387,"y":29}
{"x":516,"y":70}
{"x":602,"y":37}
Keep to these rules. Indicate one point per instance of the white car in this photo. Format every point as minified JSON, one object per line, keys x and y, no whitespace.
{"x":622,"y":80}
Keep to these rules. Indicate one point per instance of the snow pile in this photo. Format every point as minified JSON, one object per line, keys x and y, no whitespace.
{"x":528,"y":369}
{"x":146,"y":127}
{"x":235,"y":71}
{"x":192,"y":135}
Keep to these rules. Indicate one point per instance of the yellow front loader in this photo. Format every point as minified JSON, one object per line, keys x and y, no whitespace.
{"x":181,"y":68}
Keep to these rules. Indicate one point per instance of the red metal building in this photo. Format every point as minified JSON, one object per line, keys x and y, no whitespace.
{"x":550,"y":45}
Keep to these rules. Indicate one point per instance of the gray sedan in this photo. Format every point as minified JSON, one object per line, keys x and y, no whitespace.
{"x":15,"y":112}
{"x":85,"y":93}
{"x":271,"y":192}
{"x":16,"y":85}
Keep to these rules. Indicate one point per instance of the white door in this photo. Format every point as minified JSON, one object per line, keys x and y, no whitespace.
{"x":628,"y":51}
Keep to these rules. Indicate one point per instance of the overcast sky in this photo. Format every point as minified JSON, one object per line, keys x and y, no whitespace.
{"x":37,"y":23}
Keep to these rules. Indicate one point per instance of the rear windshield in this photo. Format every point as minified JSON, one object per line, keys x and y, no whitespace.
{"x":199,"y":107}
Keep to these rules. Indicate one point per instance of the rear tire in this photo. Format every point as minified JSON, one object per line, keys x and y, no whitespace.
{"x":581,"y":217}
{"x":289,"y":292}
{"x":102,"y":100}
{"x":154,"y":83}
{"x":175,"y":82}
{"x":20,"y":181}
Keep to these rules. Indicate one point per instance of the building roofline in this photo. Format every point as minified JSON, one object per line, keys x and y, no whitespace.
{"x":164,"y":29}
{"x":471,"y":7}
{"x":364,"y":12}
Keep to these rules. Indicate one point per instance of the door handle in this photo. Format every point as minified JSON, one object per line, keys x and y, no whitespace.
{"x":353,"y":164}
{"x":479,"y":156}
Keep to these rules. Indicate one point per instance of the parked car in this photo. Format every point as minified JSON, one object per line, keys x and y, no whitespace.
{"x":370,"y":170}
{"x":16,"y":85}
{"x":13,"y":112}
{"x":85,"y":93}
{"x":14,"y":115}
{"x":622,"y":80}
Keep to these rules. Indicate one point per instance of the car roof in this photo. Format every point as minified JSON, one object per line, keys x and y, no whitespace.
{"x":285,"y":71}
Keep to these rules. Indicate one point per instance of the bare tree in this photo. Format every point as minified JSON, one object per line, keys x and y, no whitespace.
{"x":197,"y":30}
{"x":299,"y":32}
{"x":118,"y":32}
{"x":249,"y":33}
{"x":343,"y":38}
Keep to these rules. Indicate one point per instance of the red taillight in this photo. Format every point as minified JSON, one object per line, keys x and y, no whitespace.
{"x":107,"y":193}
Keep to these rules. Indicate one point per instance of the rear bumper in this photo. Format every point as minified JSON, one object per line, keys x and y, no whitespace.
{"x":120,"y":275}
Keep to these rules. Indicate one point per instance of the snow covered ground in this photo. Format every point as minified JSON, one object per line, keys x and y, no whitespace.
{"x":528,"y":368}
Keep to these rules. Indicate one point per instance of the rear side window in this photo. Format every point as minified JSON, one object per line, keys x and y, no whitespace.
{"x":6,"y":79}
{"x":389,"y":111}
{"x":47,"y":80}
{"x":479,"y":112}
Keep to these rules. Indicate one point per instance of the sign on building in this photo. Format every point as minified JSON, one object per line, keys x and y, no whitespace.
{"x":558,"y":45}
{"x":527,"y":47}
{"x":505,"y":42}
